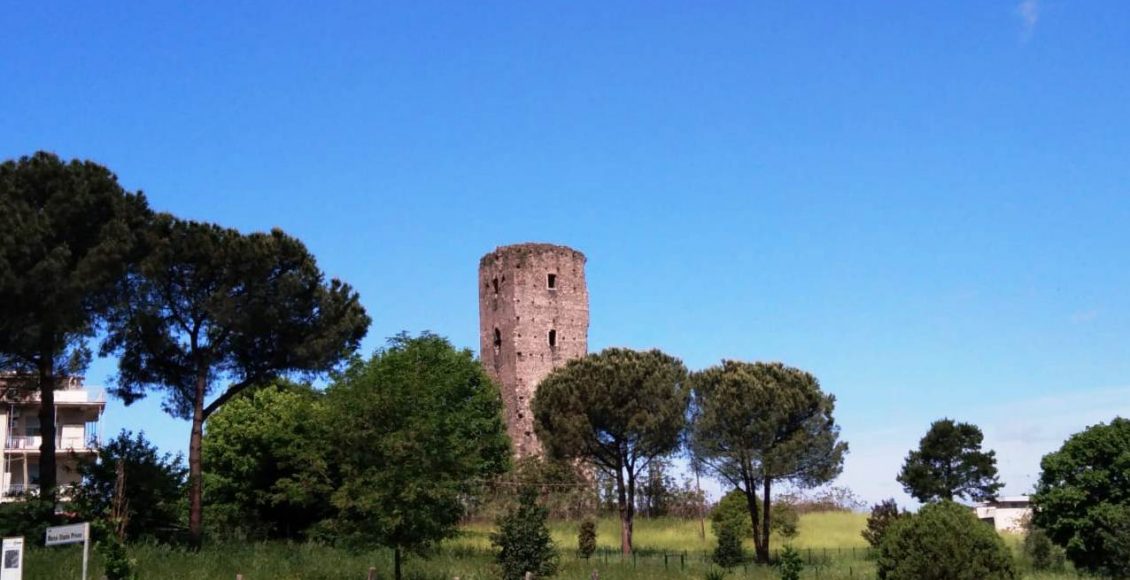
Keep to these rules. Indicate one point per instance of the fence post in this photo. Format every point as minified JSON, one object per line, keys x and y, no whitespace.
{"x":664,"y":559}
{"x":372,"y":573}
{"x":683,"y":560}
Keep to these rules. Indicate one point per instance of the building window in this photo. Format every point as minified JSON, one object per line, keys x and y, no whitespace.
{"x":552,"y":338}
{"x":551,"y":281}
{"x":497,"y":341}
{"x":494,"y":284}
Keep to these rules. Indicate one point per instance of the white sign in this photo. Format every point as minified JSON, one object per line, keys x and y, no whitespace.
{"x":71,"y":534}
{"x":12,"y":559}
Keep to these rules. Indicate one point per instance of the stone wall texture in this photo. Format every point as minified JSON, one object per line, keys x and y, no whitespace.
{"x":533,"y":317}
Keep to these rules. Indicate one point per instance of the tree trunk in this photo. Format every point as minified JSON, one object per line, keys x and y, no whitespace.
{"x":196,"y":467}
{"x":631,"y":506}
{"x":625,"y":517}
{"x":396,"y":562}
{"x":47,"y":480}
{"x":755,"y":518}
{"x":763,"y":555}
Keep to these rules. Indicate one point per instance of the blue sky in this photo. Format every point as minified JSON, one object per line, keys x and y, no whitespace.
{"x":925,"y":204}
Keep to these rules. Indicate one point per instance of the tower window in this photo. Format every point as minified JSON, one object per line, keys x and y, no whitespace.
{"x":494,"y":284}
{"x":552,"y":338}
{"x":497,"y":341}
{"x":551,"y":281}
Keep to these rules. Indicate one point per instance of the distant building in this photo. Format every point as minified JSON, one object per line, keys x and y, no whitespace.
{"x":533,"y":318}
{"x":77,"y":415}
{"x":1007,"y":514}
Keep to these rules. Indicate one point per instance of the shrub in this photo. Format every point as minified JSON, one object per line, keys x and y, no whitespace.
{"x":1041,"y":553}
{"x":883,"y":514}
{"x":523,"y":540}
{"x":728,"y":553}
{"x":943,"y":540}
{"x":732,"y":509}
{"x":29,"y":517}
{"x":785,"y":520}
{"x":586,"y":539}
{"x":790,"y":564}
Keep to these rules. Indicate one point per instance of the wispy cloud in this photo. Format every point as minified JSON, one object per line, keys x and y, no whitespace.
{"x":1083,"y":316}
{"x":1029,"y":13}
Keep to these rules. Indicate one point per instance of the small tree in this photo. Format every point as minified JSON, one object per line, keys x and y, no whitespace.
{"x":586,"y":539}
{"x":786,"y":520}
{"x":1040,"y":552}
{"x":729,"y":552}
{"x":791,"y":564}
{"x":153,"y":488}
{"x":944,"y":540}
{"x":618,"y":410}
{"x":266,"y":462}
{"x":523,"y":540}
{"x":949,"y":464}
{"x":1082,"y":500}
{"x":415,"y":432}
{"x":883,"y":514}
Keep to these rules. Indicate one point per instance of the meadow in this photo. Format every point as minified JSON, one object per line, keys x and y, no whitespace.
{"x":665,"y":549}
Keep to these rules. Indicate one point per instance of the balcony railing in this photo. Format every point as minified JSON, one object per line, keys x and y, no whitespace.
{"x":61,"y":443}
{"x":14,"y":489}
{"x":62,"y":396}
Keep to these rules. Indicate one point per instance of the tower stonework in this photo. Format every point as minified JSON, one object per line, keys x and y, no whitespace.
{"x":533,"y":317}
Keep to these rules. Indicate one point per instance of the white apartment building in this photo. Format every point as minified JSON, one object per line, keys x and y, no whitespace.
{"x":77,"y":434}
{"x":1007,"y":514}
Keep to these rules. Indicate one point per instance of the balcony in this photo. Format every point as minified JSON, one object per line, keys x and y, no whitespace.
{"x":76,"y":444}
{"x":17,"y":489}
{"x":63,"y":397}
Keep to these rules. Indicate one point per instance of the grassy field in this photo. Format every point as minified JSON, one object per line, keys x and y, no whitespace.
{"x":666,"y":548}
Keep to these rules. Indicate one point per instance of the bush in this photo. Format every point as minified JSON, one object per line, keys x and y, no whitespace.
{"x":29,"y":517}
{"x":791,"y":564}
{"x":523,"y":540}
{"x":728,"y":553}
{"x":1041,"y":553}
{"x":784,"y":520}
{"x":732,"y":509}
{"x":943,"y":540}
{"x":883,"y":514}
{"x":586,"y":539}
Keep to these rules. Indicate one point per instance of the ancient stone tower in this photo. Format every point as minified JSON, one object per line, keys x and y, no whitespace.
{"x":533,"y":317}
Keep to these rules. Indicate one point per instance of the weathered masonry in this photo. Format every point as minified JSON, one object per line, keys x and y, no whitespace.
{"x":533,"y":317}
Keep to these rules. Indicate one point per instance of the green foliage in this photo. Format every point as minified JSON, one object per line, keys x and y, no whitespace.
{"x":67,"y":237}
{"x":154,"y":487}
{"x":212,"y":310}
{"x":785,"y":520}
{"x":618,"y":410}
{"x":116,"y":563}
{"x":586,"y":539}
{"x":732,"y":509}
{"x":756,"y":423}
{"x":790,"y":564}
{"x":28,"y":517}
{"x":944,"y":540}
{"x":415,"y":431}
{"x":265,"y":462}
{"x":883,"y":514}
{"x":1082,"y":500}
{"x":728,"y":553}
{"x":949,"y":464}
{"x":1041,"y":553}
{"x":523,"y":540}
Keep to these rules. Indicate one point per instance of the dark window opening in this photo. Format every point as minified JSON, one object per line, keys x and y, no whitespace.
{"x":494,"y":284}
{"x":552,"y":338}
{"x":497,"y":341}
{"x":551,"y":281}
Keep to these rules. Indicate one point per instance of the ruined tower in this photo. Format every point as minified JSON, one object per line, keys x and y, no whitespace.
{"x":533,"y":317}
